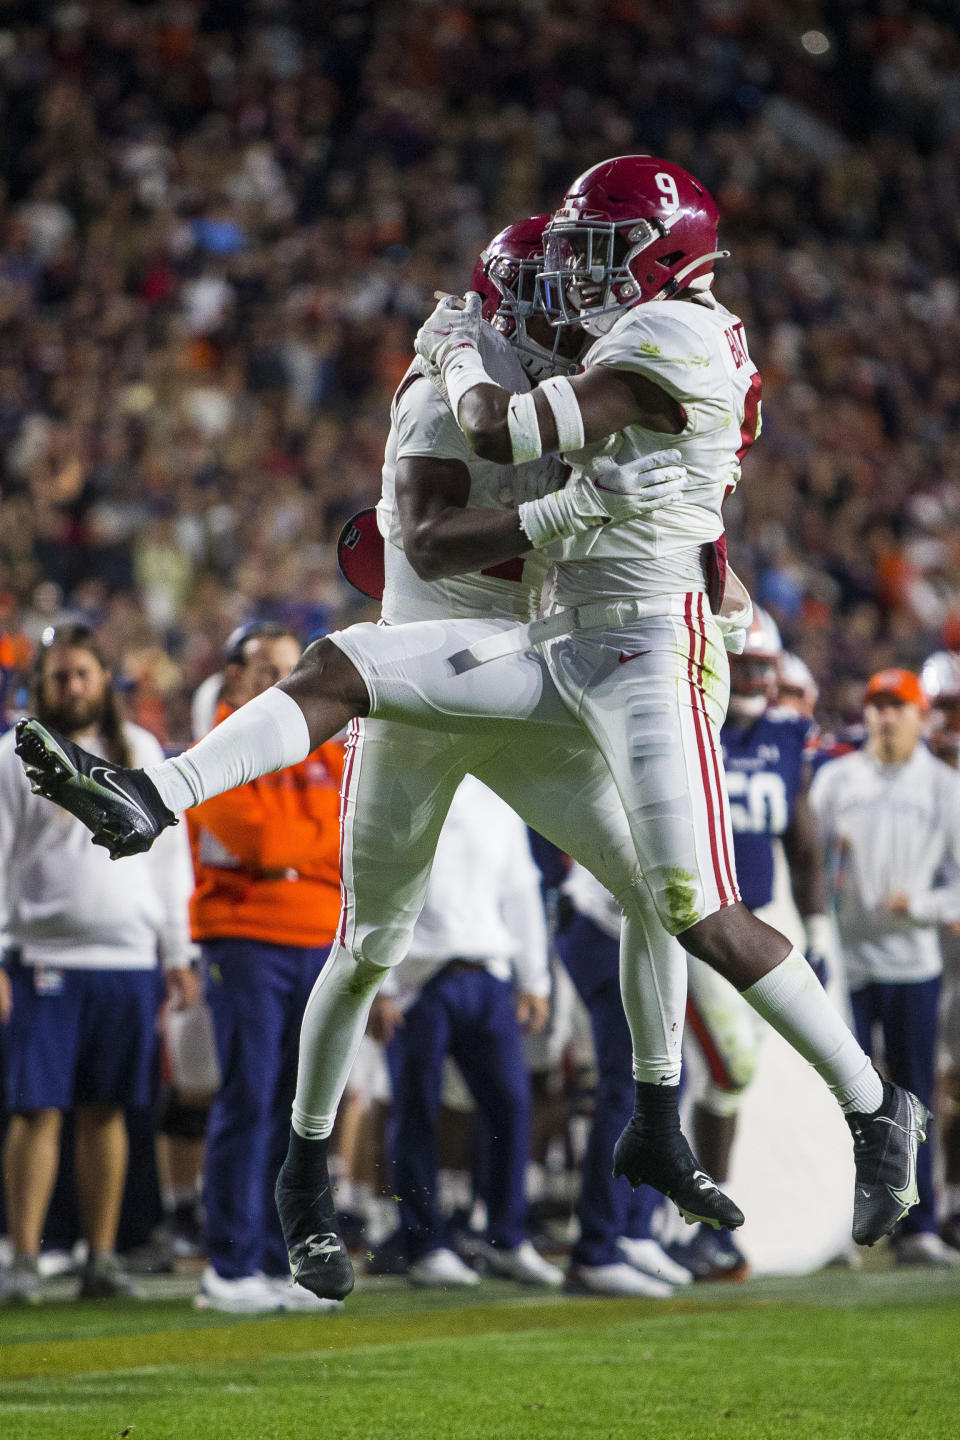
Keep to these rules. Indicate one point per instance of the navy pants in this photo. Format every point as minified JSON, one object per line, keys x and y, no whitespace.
{"x":906,"y":1016}
{"x":606,"y":1208}
{"x":257,"y":994}
{"x":467,"y":1013}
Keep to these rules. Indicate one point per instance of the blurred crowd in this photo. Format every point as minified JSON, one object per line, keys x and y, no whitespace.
{"x":222,"y":224}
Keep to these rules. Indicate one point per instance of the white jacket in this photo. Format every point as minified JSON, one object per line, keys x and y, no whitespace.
{"x":890,"y":829}
{"x":64,"y":902}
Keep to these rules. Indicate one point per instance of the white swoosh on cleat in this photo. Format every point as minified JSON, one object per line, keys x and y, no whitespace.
{"x":319,"y":1247}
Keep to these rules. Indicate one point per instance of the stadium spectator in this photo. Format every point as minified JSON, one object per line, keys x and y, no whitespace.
{"x":265,"y":911}
{"x":204,"y":321}
{"x":80,"y":991}
{"x":475,"y":977}
{"x":890,"y":817}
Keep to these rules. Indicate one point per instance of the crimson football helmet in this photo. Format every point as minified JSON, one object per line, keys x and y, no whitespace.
{"x":629,"y":230}
{"x":505,"y":277}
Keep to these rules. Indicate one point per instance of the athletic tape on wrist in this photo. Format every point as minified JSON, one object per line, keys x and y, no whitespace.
{"x":562,"y":399}
{"x":462,"y":370}
{"x":542,"y":520}
{"x":524,"y":428}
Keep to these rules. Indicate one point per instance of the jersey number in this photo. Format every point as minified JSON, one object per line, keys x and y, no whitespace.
{"x":758,"y":802}
{"x":668,"y":189}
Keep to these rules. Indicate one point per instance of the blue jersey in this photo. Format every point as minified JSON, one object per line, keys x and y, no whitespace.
{"x":764,"y":763}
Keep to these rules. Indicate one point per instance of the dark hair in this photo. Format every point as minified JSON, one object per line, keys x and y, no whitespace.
{"x":236,"y":646}
{"x":77,"y":636}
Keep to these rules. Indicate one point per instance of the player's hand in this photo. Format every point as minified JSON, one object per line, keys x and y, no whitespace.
{"x":533,"y":1012}
{"x":6,"y":997}
{"x":627,"y":492}
{"x":454,"y":322}
{"x":386,"y":1018}
{"x":818,"y":934}
{"x":183,"y":989}
{"x":898,"y":903}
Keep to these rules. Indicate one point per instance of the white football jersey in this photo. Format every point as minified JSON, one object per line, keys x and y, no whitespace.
{"x":421,"y":423}
{"x":697,"y":354}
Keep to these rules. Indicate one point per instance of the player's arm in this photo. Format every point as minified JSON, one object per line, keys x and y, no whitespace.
{"x":607,"y":400}
{"x":441,"y":536}
{"x":808,"y":878}
{"x":559,"y":414}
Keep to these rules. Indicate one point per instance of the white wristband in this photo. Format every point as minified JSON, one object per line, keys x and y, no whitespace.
{"x":561,"y":514}
{"x":818,"y":932}
{"x":524,"y":427}
{"x":462,"y":370}
{"x":562,"y":399}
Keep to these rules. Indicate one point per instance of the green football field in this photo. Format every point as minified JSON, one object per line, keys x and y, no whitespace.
{"x":843,"y":1356}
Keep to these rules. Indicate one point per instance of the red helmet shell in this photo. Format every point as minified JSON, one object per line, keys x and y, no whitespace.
{"x":666,"y":217}
{"x":499,"y":273}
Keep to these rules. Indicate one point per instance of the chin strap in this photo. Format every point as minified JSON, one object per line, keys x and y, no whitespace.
{"x":676,"y":281}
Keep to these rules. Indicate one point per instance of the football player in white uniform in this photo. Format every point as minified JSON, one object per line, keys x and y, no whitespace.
{"x":399,"y":782}
{"x":631,"y":644}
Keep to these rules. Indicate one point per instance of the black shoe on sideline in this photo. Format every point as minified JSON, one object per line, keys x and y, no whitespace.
{"x":122,"y":808}
{"x":668,"y":1164}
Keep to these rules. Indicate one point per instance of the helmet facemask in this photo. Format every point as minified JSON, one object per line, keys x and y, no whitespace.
{"x":590,"y":274}
{"x":517,"y":283}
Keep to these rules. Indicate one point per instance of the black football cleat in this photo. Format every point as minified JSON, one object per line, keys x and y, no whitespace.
{"x":885,"y":1146}
{"x":319,"y":1260}
{"x":668,"y":1164}
{"x":122,"y":808}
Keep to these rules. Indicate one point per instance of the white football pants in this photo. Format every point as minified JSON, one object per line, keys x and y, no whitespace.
{"x":652,"y":696}
{"x":398,"y":785}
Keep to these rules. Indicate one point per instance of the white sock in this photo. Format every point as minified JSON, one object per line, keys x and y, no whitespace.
{"x":333,"y":1026}
{"x":792,"y":1000}
{"x":269,"y":733}
{"x":653,"y":984}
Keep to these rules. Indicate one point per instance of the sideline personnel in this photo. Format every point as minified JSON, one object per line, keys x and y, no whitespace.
{"x":890,"y":817}
{"x":80,"y":993}
{"x":265,"y":910}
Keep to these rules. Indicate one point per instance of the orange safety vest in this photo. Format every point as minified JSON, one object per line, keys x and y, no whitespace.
{"x":266,"y":855}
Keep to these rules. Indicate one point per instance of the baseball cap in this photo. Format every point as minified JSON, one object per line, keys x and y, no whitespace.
{"x":902,"y":684}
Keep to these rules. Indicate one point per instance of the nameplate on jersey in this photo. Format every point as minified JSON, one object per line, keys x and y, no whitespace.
{"x":360,"y":554}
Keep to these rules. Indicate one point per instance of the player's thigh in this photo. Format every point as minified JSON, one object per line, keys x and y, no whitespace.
{"x":653,"y":696}
{"x":561,"y":786}
{"x":398,"y":783}
{"x":424,"y":674}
